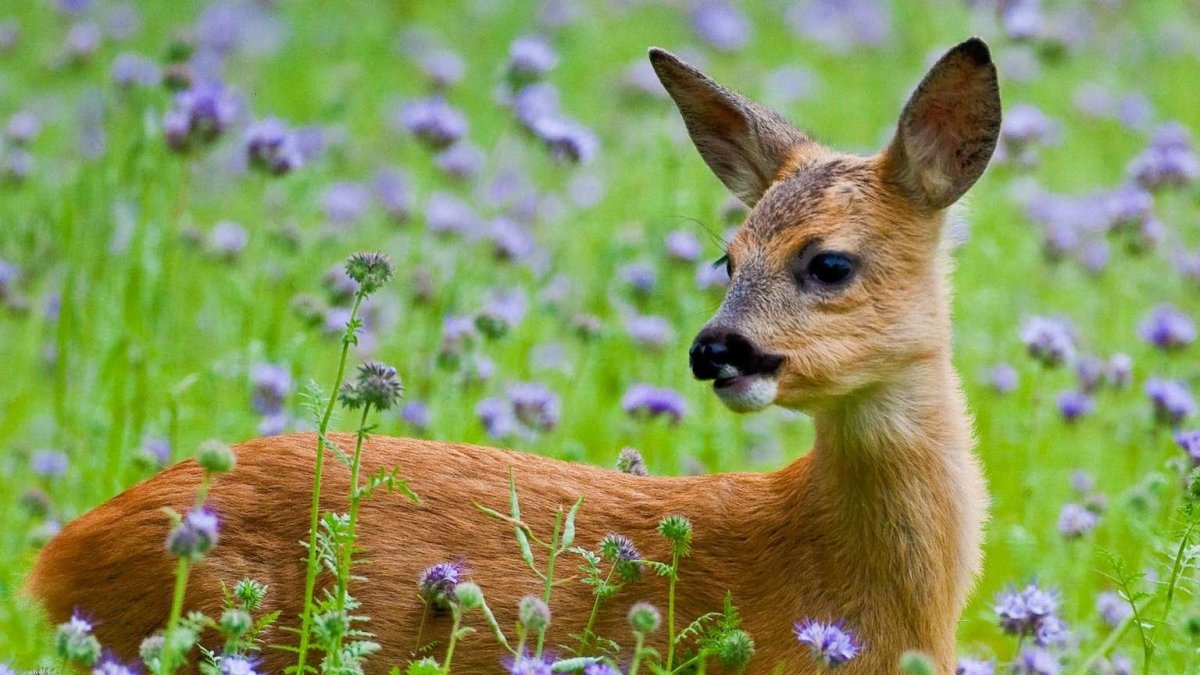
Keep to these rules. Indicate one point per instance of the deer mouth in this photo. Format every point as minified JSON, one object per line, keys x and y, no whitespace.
{"x":746,"y":393}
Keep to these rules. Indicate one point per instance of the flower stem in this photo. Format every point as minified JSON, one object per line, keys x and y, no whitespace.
{"x":671,"y":607}
{"x":549,"y":585}
{"x":453,"y":639}
{"x":637,"y":652}
{"x":181,"y":576}
{"x":587,"y":630}
{"x":310,"y":579}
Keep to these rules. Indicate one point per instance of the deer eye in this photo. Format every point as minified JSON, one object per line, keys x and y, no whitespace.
{"x":830,"y":269}
{"x":725,"y":262}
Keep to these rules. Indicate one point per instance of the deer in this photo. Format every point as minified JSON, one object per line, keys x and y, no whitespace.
{"x":838,"y":305}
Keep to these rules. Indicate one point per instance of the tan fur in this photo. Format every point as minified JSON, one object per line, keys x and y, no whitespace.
{"x":880,"y":524}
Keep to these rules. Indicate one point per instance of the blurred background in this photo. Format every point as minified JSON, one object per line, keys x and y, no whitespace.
{"x":180,"y":183}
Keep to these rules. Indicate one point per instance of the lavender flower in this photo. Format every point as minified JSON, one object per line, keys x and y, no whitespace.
{"x":272,"y":383}
{"x":974,"y":667}
{"x":1171,"y":400}
{"x":1189,"y":441}
{"x":621,"y":551}
{"x":392,"y":191}
{"x":1112,"y":608}
{"x":640,"y":275}
{"x":194,"y":536}
{"x":526,"y":664}
{"x":1168,"y":328}
{"x":503,"y":311}
{"x":462,"y":161}
{"x":345,"y":202}
{"x":131,"y":70}
{"x":416,"y":414}
{"x":445,"y":213}
{"x":233,"y":664}
{"x":683,"y":245}
{"x":1170,"y":160}
{"x":1074,"y":521}
{"x":23,"y":127}
{"x":1036,"y":661}
{"x":82,"y":42}
{"x":566,"y":139}
{"x":1003,"y":378}
{"x":433,"y":122}
{"x":721,"y":25}
{"x":1023,"y":612}
{"x":111,"y":667}
{"x":644,"y":399}
{"x":227,"y":240}
{"x":654,"y":332}
{"x":1021,"y":19}
{"x":74,"y":641}
{"x":497,"y":417}
{"x":510,"y":240}
{"x":534,"y":405}
{"x":841,"y":25}
{"x":1049,"y":340}
{"x":630,"y":461}
{"x":49,"y":463}
{"x":597,"y":669}
{"x":271,"y":147}
{"x":1075,"y":404}
{"x":436,"y":584}
{"x":1024,"y":127}
{"x":1120,"y":370}
{"x":529,"y":59}
{"x":443,"y":68}
{"x":831,"y":643}
{"x":199,"y":115}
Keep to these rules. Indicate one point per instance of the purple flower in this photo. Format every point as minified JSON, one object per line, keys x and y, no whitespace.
{"x":1090,"y":371}
{"x":23,"y":127}
{"x":1094,"y":255}
{"x":1003,"y":378}
{"x":1075,"y":404}
{"x":497,"y":417}
{"x":724,"y":27}
{"x":232,"y":664}
{"x":131,"y":70}
{"x":1189,"y":441}
{"x":10,"y":33}
{"x":841,"y":25}
{"x":433,"y":122}
{"x":199,"y":115}
{"x":709,"y":276}
{"x":272,"y":148}
{"x":272,"y":384}
{"x":1120,"y":370}
{"x":529,"y":58}
{"x":49,"y":463}
{"x":445,"y":213}
{"x":1036,"y":661}
{"x":1168,"y":328}
{"x":534,"y":405}
{"x":1049,"y":340}
{"x":786,"y":85}
{"x":529,"y":665}
{"x":1172,"y":401}
{"x":227,"y":240}
{"x":110,"y":667}
{"x":504,"y":309}
{"x":683,"y":245}
{"x":510,"y":240}
{"x":392,"y":191}
{"x":1025,"y":126}
{"x":534,"y":102}
{"x":1074,"y":521}
{"x":640,"y":275}
{"x":345,"y":202}
{"x":831,"y":643}
{"x":461,"y":161}
{"x":653,"y":332}
{"x":974,"y":667}
{"x":1170,"y":160}
{"x":1021,"y":19}
{"x":644,"y":399}
{"x":443,"y":68}
{"x":630,"y":461}
{"x":600,"y":669}
{"x":1082,"y":482}
{"x":566,"y":139}
{"x":1021,"y":612}
{"x":157,"y":449}
{"x":1128,"y":206}
{"x":1112,"y":608}
{"x":82,"y":41}
{"x":194,"y":536}
{"x":640,"y":81}
{"x":416,"y":414}
{"x":436,"y":584}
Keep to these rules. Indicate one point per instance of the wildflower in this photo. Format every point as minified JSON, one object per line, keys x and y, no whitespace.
{"x":433,"y":122}
{"x":644,"y":617}
{"x":111,"y":667}
{"x":272,"y":383}
{"x":566,"y":139}
{"x":250,"y":593}
{"x":630,"y":461}
{"x":533,"y":613}
{"x":654,"y":332}
{"x":150,"y":650}
{"x":416,"y":413}
{"x":831,"y":643}
{"x":82,"y":42}
{"x":534,"y":102}
{"x":710,"y":276}
{"x":734,"y":649}
{"x":233,"y":664}
{"x":510,"y":240}
{"x":1168,"y":328}
{"x":131,"y":70}
{"x":1022,"y":612}
{"x":497,"y":417}
{"x":49,"y":463}
{"x":1023,"y":128}
{"x":462,"y":161}
{"x":525,"y":664}
{"x":1049,"y":340}
{"x":1120,"y":370}
{"x":194,"y":536}
{"x":392,"y":191}
{"x":22,"y":127}
{"x":677,"y":530}
{"x":1003,"y":378}
{"x":1074,"y":521}
{"x":1112,"y":608}
{"x":841,"y":25}
{"x":534,"y":405}
{"x":683,"y":245}
{"x":650,"y":401}
{"x":345,"y":202}
{"x":215,"y":457}
{"x":530,"y":57}
{"x":1170,"y":159}
{"x":1090,"y":372}
{"x":1171,"y":400}
{"x":470,"y":595}
{"x":235,"y":623}
{"x":445,"y":213}
{"x":722,"y":26}
{"x":436,"y":584}
{"x":443,"y":68}
{"x":75,"y":642}
{"x":227,"y":240}
{"x":1189,"y":441}
{"x":378,"y":386}
{"x":272,"y":148}
{"x":1036,"y":661}
{"x":370,"y":270}
{"x":199,"y":116}
{"x":974,"y":667}
{"x":600,"y":669}
{"x":1075,"y":404}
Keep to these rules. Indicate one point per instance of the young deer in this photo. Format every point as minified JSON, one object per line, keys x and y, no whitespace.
{"x":838,"y":306}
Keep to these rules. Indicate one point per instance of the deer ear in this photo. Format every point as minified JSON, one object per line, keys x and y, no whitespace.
{"x":743,"y":143}
{"x":948,"y":129}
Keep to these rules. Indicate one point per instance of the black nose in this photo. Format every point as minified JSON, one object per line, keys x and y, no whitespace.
{"x":716,"y":348}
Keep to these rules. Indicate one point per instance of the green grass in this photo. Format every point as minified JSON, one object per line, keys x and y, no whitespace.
{"x":155,"y":338}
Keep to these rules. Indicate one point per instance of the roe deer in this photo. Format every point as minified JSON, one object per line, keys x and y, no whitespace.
{"x":838,"y":306}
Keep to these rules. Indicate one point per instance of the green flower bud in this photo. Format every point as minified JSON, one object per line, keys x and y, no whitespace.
{"x":915,"y":662}
{"x":470,"y":595}
{"x":235,"y":623}
{"x":533,"y":613}
{"x":215,"y":457}
{"x":644,"y":617}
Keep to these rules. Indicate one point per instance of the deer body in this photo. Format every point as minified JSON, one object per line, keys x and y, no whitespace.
{"x":838,"y":306}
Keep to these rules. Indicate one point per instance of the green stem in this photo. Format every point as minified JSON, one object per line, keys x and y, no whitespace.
{"x":689,"y":662}
{"x":347,"y":552}
{"x":671,"y":607}
{"x":181,"y":576}
{"x":587,"y":630}
{"x":548,"y":588}
{"x":310,"y":578}
{"x":453,"y":639}
{"x":637,"y":652}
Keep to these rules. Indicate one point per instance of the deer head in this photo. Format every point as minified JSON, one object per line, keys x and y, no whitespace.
{"x":837,"y":273}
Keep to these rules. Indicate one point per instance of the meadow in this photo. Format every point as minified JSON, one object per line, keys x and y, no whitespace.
{"x":164,"y":285}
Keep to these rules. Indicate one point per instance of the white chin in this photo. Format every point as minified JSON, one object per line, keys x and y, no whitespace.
{"x":747,"y":393}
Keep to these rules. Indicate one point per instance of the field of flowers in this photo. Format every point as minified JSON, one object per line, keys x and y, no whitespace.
{"x":181,"y":184}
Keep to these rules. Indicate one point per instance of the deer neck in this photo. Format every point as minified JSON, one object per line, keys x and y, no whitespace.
{"x":892,"y":474}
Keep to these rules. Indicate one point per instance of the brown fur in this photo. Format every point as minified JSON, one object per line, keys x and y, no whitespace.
{"x":879,"y":524}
